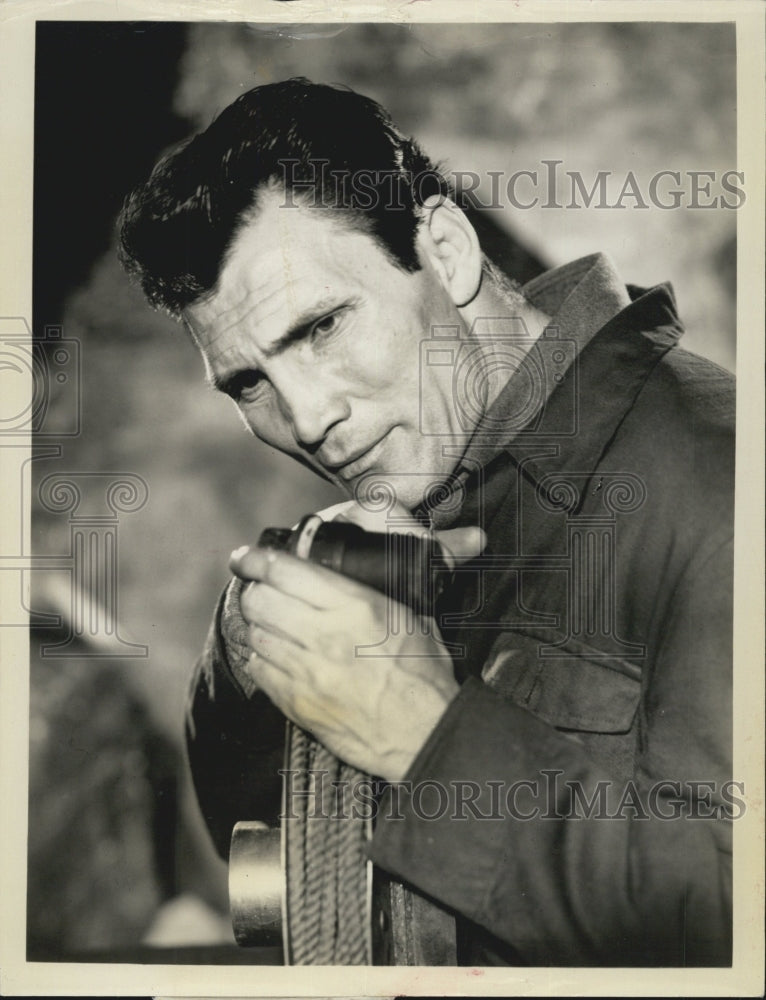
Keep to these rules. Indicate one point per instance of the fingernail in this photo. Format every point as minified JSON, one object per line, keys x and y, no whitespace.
{"x":238,"y":553}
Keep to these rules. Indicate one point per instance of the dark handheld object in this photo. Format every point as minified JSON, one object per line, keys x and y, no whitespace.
{"x":407,"y":568}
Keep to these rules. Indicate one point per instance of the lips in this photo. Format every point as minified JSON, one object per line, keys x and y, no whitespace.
{"x":357,"y":463}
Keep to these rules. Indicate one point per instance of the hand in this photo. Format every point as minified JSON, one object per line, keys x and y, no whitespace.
{"x":306,"y":624}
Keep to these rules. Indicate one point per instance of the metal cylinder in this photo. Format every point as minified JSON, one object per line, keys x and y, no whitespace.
{"x":256,"y":884}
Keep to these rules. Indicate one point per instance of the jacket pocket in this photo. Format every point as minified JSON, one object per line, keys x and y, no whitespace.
{"x":578,"y":689}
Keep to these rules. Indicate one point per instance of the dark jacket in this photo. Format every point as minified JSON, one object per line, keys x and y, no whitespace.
{"x":593,"y":642}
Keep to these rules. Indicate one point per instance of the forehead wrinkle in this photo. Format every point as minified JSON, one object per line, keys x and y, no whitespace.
{"x":238,"y":313}
{"x":285,"y":277}
{"x":302,"y":274}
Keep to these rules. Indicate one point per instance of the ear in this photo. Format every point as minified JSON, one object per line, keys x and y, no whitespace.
{"x":450,"y":243}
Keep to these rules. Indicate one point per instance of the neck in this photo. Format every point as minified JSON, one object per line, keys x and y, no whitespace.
{"x":497,"y":318}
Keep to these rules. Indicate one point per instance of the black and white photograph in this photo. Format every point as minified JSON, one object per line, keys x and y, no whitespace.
{"x":382,"y":422}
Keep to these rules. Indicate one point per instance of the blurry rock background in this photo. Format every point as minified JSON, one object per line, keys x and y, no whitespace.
{"x":117,"y":853}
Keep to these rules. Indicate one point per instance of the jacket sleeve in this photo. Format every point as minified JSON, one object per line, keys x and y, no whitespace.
{"x":234,"y":737}
{"x":627,"y":885}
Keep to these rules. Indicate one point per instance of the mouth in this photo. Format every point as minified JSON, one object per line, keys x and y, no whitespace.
{"x":359,"y":462}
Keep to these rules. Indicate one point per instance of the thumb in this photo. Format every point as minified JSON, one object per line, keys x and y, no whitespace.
{"x":463,"y":543}
{"x":394,"y":519}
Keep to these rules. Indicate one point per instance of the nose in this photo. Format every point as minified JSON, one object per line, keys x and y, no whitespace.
{"x":312,"y":406}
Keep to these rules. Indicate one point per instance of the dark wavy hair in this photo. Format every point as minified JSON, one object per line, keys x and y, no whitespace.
{"x":323,"y":145}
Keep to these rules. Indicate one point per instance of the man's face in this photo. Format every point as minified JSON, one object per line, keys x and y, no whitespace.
{"x":316,"y":336}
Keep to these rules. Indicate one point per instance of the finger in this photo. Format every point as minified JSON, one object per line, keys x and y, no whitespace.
{"x":317,"y":586}
{"x":463,"y":543}
{"x":279,"y":652}
{"x":275,"y":682}
{"x":281,"y":671}
{"x":396,"y":519}
{"x":337,"y":510}
{"x":288,"y":675}
{"x":263,"y":605}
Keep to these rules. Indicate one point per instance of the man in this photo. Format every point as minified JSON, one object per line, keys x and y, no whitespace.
{"x":569,"y":710}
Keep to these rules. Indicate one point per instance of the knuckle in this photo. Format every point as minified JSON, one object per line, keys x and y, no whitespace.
{"x":328,"y":645}
{"x":336,"y":643}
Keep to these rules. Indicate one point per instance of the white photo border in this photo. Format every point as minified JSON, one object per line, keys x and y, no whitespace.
{"x":17,"y":976}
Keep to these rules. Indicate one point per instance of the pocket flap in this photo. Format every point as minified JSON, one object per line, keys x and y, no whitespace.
{"x":579,"y":689}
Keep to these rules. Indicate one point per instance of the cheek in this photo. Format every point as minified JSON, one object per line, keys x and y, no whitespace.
{"x":265,"y":420}
{"x":373,"y":365}
{"x":390,"y":363}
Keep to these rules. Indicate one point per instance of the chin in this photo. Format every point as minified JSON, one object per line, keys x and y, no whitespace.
{"x":406,"y":477}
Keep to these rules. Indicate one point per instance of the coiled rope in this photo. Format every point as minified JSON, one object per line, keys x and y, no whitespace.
{"x":327,"y":880}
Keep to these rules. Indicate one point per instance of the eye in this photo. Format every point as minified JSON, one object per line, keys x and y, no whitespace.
{"x":248,"y":386}
{"x":326,"y":325}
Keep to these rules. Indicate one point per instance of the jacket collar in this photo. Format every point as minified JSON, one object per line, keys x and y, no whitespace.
{"x":602,"y":385}
{"x":580,"y":379}
{"x":581,"y":296}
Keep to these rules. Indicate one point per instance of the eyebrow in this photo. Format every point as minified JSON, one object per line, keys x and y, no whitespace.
{"x":228,"y":382}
